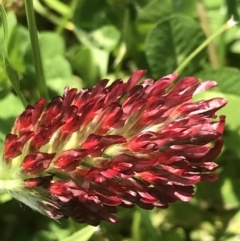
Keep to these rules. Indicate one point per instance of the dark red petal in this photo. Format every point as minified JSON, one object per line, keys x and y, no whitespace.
{"x":209,"y":177}
{"x":37,"y":162}
{"x":96,"y":144}
{"x":205,"y":85}
{"x":109,"y":200}
{"x":70,"y":159}
{"x":24,"y":121}
{"x":60,"y":190}
{"x":38,"y":109}
{"x":124,"y":144}
{"x":158,"y":88}
{"x":134,"y":79}
{"x":69,"y":96}
{"x":52,"y":111}
{"x":114,"y":92}
{"x":72,"y":125}
{"x":41,"y":137}
{"x":12,"y":146}
{"x":112,"y":118}
{"x":38,"y":181}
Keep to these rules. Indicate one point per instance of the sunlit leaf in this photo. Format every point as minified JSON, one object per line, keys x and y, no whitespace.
{"x":82,"y":235}
{"x":155,"y":10}
{"x":229,"y":110}
{"x":106,"y":37}
{"x":11,"y":72}
{"x":170,"y":42}
{"x":55,"y":64}
{"x":228,"y":79}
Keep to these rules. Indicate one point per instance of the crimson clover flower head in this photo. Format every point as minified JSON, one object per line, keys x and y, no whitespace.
{"x":122,"y":144}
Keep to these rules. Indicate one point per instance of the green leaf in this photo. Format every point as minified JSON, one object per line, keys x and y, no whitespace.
{"x":55,"y":64}
{"x":54,"y":231}
{"x":229,"y":197}
{"x":82,"y":235}
{"x":57,"y":67}
{"x":10,"y":107}
{"x":57,"y":85}
{"x":235,"y":47}
{"x":228,"y":79}
{"x":95,"y":54}
{"x":147,"y":222}
{"x":19,"y":39}
{"x":228,"y":237}
{"x":106,"y":37}
{"x":184,"y":7}
{"x":12,"y":74}
{"x":230,"y":111}
{"x":51,"y":44}
{"x":232,"y":8}
{"x":155,"y":11}
{"x":83,"y":63}
{"x":99,"y":57}
{"x":176,"y":234}
{"x":213,"y":4}
{"x":170,"y":42}
{"x":202,"y":234}
{"x":130,"y":34}
{"x":191,"y":213}
{"x":234,"y":226}
{"x":90,"y":14}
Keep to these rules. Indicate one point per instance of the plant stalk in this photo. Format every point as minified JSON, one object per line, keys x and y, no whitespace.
{"x":222,"y":29}
{"x":63,"y":22}
{"x":40,"y":76}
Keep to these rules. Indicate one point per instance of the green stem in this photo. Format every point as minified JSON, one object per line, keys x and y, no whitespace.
{"x":59,"y":7}
{"x":40,"y":77}
{"x":222,"y":29}
{"x":136,"y":226}
{"x":67,"y":16}
{"x":46,"y":13}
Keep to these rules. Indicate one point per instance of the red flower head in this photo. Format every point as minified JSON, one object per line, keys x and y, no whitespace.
{"x":119,"y":145}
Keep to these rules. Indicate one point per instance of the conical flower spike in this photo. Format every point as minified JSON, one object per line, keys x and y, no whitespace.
{"x":122,"y":144}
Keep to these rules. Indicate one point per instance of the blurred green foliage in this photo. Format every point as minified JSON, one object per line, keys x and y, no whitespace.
{"x":85,"y":40}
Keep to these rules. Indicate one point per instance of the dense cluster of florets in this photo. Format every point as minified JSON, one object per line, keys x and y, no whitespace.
{"x":119,"y":145}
